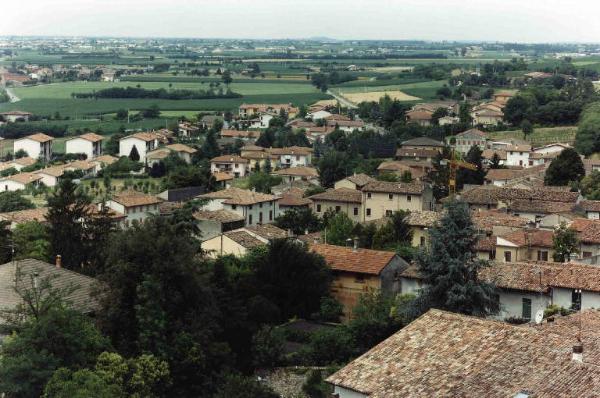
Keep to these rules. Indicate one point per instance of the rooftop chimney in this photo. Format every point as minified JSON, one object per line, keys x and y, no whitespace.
{"x":58,"y":261}
{"x":578,"y":352}
{"x":355,"y":246}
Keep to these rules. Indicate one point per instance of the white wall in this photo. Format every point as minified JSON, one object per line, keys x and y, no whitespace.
{"x":8,"y":185}
{"x":79,"y":145}
{"x":410,"y":286}
{"x":590,"y":300}
{"x":511,"y":303}
{"x":294,"y":160}
{"x":346,"y":393}
{"x":251,"y":213}
{"x":514,"y":158}
{"x":593,"y":215}
{"x":33,"y":148}
{"x":562,"y":297}
{"x":48,"y":180}
{"x":127,"y":143}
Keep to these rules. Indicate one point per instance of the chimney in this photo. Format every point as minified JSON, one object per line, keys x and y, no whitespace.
{"x":58,"y":261}
{"x":316,"y":240}
{"x":355,"y":246}
{"x":578,"y":352}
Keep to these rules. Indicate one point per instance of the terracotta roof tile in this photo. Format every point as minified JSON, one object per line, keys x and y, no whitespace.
{"x":238,"y":196}
{"x":530,"y":237}
{"x":129,"y":199}
{"x":39,"y":137}
{"x":300,"y":171}
{"x":244,"y":239}
{"x":415,"y":188}
{"x":92,"y":137}
{"x":223,"y":216}
{"x":362,"y":261}
{"x":346,"y":195}
{"x":229,"y":159}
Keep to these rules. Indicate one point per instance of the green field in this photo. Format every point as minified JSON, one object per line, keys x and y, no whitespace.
{"x":540,"y":136}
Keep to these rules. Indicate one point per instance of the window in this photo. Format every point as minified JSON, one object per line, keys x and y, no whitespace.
{"x":270,"y":215}
{"x":260,"y":205}
{"x":526,"y":313}
{"x":236,"y":165}
{"x":359,"y":279}
{"x":408,"y":198}
{"x":422,"y":241}
{"x":249,"y":219}
{"x":233,"y":207}
{"x":369,"y":212}
{"x":576,"y":299}
{"x":318,"y":208}
{"x":388,"y":213}
{"x":587,"y":254}
{"x":356,"y":211}
{"x":507,"y":257}
{"x":337,"y":209}
{"x":250,"y":207}
{"x":368,"y":195}
{"x":390,"y":196}
{"x":260,"y":217}
{"x":298,"y":158}
{"x":542,"y":255}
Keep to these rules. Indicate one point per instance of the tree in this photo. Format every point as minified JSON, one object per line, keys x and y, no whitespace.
{"x":277,"y":270}
{"x":567,"y":167}
{"x":564,"y":242}
{"x":526,"y":128}
{"x":151,"y":113}
{"x":5,"y":242}
{"x":267,"y":347}
{"x":299,"y":221}
{"x":122,"y":114}
{"x":80,"y":384}
{"x":112,"y":146}
{"x":495,"y":162}
{"x":590,"y":186}
{"x":472,"y":177}
{"x":450,"y":268}
{"x":262,"y":182}
{"x":244,"y":387}
{"x":134,"y":155}
{"x":587,"y":139}
{"x":333,"y":166}
{"x":31,"y":240}
{"x":13,"y":201}
{"x":68,"y":211}
{"x":339,"y":229}
{"x":226,"y":77}
{"x":210,"y":147}
{"x":158,"y":169}
{"x":60,"y":338}
{"x":464,"y":114}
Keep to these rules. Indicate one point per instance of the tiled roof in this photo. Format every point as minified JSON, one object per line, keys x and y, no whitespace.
{"x":489,"y":153}
{"x":144,"y":136}
{"x":540,"y":206}
{"x":24,"y":178}
{"x":106,"y":159}
{"x":443,"y":354}
{"x":267,"y":231}
{"x":416,"y":152}
{"x":423,"y":141}
{"x":360,"y":179}
{"x":472,"y":132}
{"x":160,"y":153}
{"x":300,"y":171}
{"x":54,"y":171}
{"x":21,"y":216}
{"x":588,"y":231}
{"x":132,"y":198}
{"x":223,"y":216}
{"x":18,"y":274}
{"x":244,"y":239}
{"x":24,"y":161}
{"x":291,"y":199}
{"x":229,"y":159}
{"x":239,"y":133}
{"x":92,"y":137}
{"x":252,"y":148}
{"x":590,"y":205}
{"x":489,"y":194}
{"x":419,"y":115}
{"x":363,"y":261}
{"x":423,"y":218}
{"x":530,"y":237}
{"x":39,"y":137}
{"x":292,"y":150}
{"x":485,"y":244}
{"x":238,"y":196}
{"x":346,"y":195}
{"x":415,"y":188}
{"x":222,"y":176}
{"x":486,"y":220}
{"x":181,"y":148}
{"x":510,"y":174}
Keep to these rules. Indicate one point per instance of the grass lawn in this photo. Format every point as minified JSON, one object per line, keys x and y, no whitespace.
{"x":541,"y":136}
{"x":118,"y":185}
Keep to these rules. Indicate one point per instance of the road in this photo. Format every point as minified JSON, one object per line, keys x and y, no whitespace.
{"x":342,"y":100}
{"x":11,"y":95}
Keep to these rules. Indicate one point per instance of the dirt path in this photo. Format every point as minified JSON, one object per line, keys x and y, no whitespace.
{"x":342,"y":100}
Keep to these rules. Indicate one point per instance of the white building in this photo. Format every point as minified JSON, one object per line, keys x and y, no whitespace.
{"x":262,"y":122}
{"x":90,"y":144}
{"x":318,"y":115}
{"x":518,"y":155}
{"x":135,"y":206}
{"x":18,"y":182}
{"x":231,"y":164}
{"x":255,"y":207}
{"x":294,"y":156}
{"x":15,"y":116}
{"x":143,"y":142}
{"x":37,"y":146}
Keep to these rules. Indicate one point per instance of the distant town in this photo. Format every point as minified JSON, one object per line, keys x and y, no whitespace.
{"x":298,"y":218}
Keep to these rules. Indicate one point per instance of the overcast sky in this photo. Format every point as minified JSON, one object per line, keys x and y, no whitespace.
{"x":502,"y":20}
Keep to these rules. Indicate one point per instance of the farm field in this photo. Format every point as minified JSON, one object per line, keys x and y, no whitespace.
{"x":541,"y":136}
{"x":370,"y":96}
{"x":408,"y":92}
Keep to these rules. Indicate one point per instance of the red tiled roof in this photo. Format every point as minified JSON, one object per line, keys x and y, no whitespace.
{"x":347,"y":259}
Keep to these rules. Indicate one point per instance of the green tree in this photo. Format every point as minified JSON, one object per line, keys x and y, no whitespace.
{"x":526,"y":128}
{"x":450,"y":267}
{"x":122,"y":114}
{"x":333,"y":166}
{"x":243,"y":387}
{"x":567,"y":167}
{"x":564,"y":242}
{"x":68,"y":210}
{"x":210,"y":147}
{"x":464,"y":114}
{"x":262,"y":182}
{"x":495,"y":162}
{"x":226,"y":77}
{"x":60,"y":338}
{"x":84,"y":383}
{"x":299,"y":221}
{"x":472,"y":177}
{"x":6,"y":242}
{"x":112,"y":146}
{"x":14,"y":201}
{"x":590,"y":185}
{"x":587,"y":139}
{"x":339,"y":229}
{"x":151,"y":113}
{"x":31,"y":240}
{"x":267,"y":347}
{"x":134,"y":155}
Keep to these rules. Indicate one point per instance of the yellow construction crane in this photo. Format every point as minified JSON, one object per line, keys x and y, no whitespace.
{"x":453,"y":165}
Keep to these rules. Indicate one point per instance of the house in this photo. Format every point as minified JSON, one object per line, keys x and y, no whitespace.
{"x":238,"y":242}
{"x":20,"y":163}
{"x":230,"y":164}
{"x":15,"y":116}
{"x":318,"y":115}
{"x":249,"y":110}
{"x":290,"y":174}
{"x":90,"y":144}
{"x":518,"y":155}
{"x":444,"y":354}
{"x":467,"y":139}
{"x":347,"y":126}
{"x":142,"y":142}
{"x":50,"y":175}
{"x":157,"y":156}
{"x":102,"y":161}
{"x":222,"y":179}
{"x":356,"y":181}
{"x":503,"y":97}
{"x":21,"y":181}
{"x":208,"y":121}
{"x":20,"y":276}
{"x":525,"y":245}
{"x":381,"y":198}
{"x":261,"y":122}
{"x":244,"y":135}
{"x":497,"y":222}
{"x":486,"y":115}
{"x":358,"y":271}
{"x":420,"y":222}
{"x":258,"y":160}
{"x":450,"y":106}
{"x":502,"y":177}
{"x":588,"y":235}
{"x":551,"y":148}
{"x":37,"y":146}
{"x":423,"y":143}
{"x":293,"y":199}
{"x":346,"y":200}
{"x":293,"y":156}
{"x":318,"y":133}
{"x":422,"y":118}
{"x":136,"y":206}
{"x":417,"y":155}
{"x":591,"y":209}
{"x":416,"y":168}
{"x":212,"y":223}
{"x":255,"y":207}
{"x":183,"y":151}
{"x":188,"y":130}
{"x":22,"y":216}
{"x":448,"y":120}
{"x":488,"y":156}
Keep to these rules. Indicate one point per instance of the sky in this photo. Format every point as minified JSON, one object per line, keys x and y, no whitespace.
{"x":488,"y":20}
